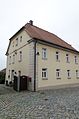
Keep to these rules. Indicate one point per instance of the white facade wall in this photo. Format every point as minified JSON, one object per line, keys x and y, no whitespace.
{"x":51,"y":64}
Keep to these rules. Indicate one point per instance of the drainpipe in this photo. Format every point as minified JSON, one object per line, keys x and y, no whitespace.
{"x":35,"y":65}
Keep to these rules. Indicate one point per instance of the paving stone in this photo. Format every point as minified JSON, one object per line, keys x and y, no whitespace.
{"x":49,"y":104}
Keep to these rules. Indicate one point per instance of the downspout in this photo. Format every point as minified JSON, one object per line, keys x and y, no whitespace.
{"x":35,"y":65}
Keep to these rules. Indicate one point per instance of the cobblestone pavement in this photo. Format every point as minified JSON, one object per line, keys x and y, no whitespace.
{"x":49,"y":104}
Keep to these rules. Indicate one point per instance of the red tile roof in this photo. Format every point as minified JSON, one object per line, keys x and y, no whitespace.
{"x":38,"y":33}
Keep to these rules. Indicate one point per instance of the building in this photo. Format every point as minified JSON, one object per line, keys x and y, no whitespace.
{"x":2,"y":76}
{"x":43,"y":56}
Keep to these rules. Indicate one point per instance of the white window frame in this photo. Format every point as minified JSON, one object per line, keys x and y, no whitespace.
{"x":58,"y":74}
{"x":13,"y":59}
{"x":67,"y":58}
{"x":57,"y":56}
{"x":77,"y":74}
{"x":44,"y":53}
{"x":44,"y":73}
{"x":16,"y":41}
{"x":20,"y":38}
{"x":13,"y":43}
{"x":68,"y":74}
{"x":20,"y":56}
{"x":76,"y":60}
{"x":9,"y":60}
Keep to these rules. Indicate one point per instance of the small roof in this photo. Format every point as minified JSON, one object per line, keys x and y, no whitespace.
{"x":38,"y":33}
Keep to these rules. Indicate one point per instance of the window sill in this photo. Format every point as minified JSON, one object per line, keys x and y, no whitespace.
{"x":58,"y":78}
{"x":44,"y":58}
{"x":69,"y":77}
{"x":20,"y":60}
{"x":44,"y":78}
{"x":57,"y":60}
{"x":76,"y":63}
{"x":77,"y":77}
{"x":67,"y":62}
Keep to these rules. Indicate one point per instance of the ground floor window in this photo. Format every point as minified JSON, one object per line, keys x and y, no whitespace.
{"x":44,"y":73}
{"x":58,"y":73}
{"x":77,"y":74}
{"x":68,"y":74}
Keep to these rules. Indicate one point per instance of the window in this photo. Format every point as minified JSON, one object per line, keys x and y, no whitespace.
{"x":9,"y":74}
{"x":76,"y":60}
{"x":68,"y":74}
{"x":9,"y":60}
{"x":67,"y":58}
{"x":13,"y":59}
{"x":44,"y":53}
{"x":17,"y":42}
{"x":19,"y":73}
{"x":44,"y":73}
{"x":77,"y":74}
{"x":13,"y":44}
{"x":20,"y":56}
{"x":20,"y":38}
{"x":58,"y":73}
{"x":57,"y":56}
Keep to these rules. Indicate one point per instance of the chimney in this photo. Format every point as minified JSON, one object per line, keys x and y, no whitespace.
{"x":31,"y":22}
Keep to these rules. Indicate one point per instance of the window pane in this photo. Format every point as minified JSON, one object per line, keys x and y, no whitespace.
{"x":44,"y":53}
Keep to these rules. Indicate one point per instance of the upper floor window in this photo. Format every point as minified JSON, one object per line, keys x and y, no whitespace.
{"x":57,"y":56}
{"x":68,"y":74}
{"x":58,"y":73}
{"x":76,"y":60}
{"x":44,"y":73}
{"x":13,"y":58}
{"x":10,"y":60}
{"x":44,"y":53}
{"x":20,"y":38}
{"x":20,"y":56}
{"x":67,"y":58}
{"x":17,"y":42}
{"x":13,"y":43}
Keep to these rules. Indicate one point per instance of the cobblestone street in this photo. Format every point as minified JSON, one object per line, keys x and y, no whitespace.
{"x":49,"y":104}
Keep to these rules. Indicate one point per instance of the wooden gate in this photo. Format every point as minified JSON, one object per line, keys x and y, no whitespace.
{"x":15,"y":83}
{"x":23,"y":82}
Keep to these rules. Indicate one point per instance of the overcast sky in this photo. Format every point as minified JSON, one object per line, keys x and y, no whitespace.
{"x":60,"y":17}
